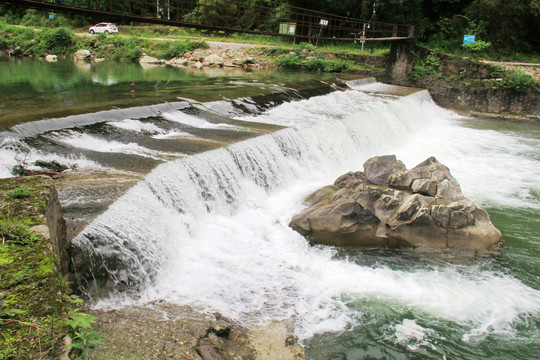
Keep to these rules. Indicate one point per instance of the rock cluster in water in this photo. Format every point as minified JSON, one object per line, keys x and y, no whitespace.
{"x":388,"y":206}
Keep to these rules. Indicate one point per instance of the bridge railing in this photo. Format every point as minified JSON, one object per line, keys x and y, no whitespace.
{"x":264,"y":17}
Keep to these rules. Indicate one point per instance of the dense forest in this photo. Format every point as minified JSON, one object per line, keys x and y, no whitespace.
{"x":501,"y":26}
{"x":506,"y":24}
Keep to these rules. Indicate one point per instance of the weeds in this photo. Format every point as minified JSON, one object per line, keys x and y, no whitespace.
{"x":180,"y":48}
{"x":477,"y":49}
{"x":16,"y":232}
{"x":517,"y":81}
{"x":85,"y":338}
{"x":289,"y":61}
{"x":51,"y":165}
{"x":427,"y":66}
{"x":18,"y":193}
{"x":312,"y":64}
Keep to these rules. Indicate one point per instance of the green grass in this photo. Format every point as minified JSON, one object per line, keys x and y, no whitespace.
{"x":37,"y":308}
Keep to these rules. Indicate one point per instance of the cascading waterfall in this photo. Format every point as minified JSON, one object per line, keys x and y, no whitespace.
{"x":211,"y":229}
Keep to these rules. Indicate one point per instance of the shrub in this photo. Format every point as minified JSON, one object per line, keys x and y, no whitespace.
{"x":289,"y":61}
{"x":477,"y":48}
{"x":33,"y":18}
{"x":426,"y":66}
{"x":19,"y":170}
{"x":432,"y":61}
{"x":176,"y":51}
{"x":51,"y":165}
{"x":307,"y":46}
{"x":59,"y":40}
{"x":134,"y":54}
{"x":517,"y":81}
{"x":315,"y":64}
{"x":179,"y":48}
{"x":498,"y":73}
{"x":335,"y":65}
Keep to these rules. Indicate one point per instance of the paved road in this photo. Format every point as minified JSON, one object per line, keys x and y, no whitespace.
{"x":213,"y":44}
{"x":510,"y":63}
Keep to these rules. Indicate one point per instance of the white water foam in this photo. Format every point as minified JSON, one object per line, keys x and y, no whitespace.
{"x":492,"y":167}
{"x":94,"y":143}
{"x":15,"y":152}
{"x":193,"y":121}
{"x":156,"y":131}
{"x":34,"y":128}
{"x":136,"y":126}
{"x":211,"y":230}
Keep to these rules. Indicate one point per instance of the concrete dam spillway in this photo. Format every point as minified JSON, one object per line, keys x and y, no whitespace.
{"x":201,"y":194}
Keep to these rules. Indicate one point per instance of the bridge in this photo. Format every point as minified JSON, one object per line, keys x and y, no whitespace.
{"x":265,"y":18}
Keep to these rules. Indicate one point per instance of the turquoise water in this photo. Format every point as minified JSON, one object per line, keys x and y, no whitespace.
{"x":395,"y":330}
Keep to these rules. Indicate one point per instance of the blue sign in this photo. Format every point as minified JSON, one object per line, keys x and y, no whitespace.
{"x":51,"y":16}
{"x":469,"y":39}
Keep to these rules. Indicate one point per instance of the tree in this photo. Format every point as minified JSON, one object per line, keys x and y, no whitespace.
{"x":509,"y":23}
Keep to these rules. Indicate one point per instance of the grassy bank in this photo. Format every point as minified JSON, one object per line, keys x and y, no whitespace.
{"x":470,"y":72}
{"x":64,"y":42}
{"x":38,"y":312}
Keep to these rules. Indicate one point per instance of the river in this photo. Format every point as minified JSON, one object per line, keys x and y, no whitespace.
{"x":192,"y":200}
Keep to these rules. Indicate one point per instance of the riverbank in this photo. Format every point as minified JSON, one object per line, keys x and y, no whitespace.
{"x":458,"y":83}
{"x":39,"y":316}
{"x":35,"y":299}
{"x":169,"y":331}
{"x":464,"y":84}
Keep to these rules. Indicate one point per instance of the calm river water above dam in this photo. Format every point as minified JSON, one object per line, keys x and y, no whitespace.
{"x":190,"y":200}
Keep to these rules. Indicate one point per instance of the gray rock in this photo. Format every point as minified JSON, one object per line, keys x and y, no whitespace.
{"x":239,"y":62}
{"x":213,"y":59}
{"x":389,"y":206}
{"x":51,"y":58}
{"x":18,"y":51}
{"x":430,"y":177}
{"x":82,"y":55}
{"x":145,"y":59}
{"x":209,"y":352}
{"x":222,"y":328}
{"x":379,"y":168}
{"x":180,"y":62}
{"x":329,"y":56}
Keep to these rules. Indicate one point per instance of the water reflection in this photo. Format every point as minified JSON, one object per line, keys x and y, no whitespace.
{"x":32,"y":89}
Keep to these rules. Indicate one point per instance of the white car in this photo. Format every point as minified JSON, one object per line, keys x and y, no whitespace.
{"x":106,"y":28}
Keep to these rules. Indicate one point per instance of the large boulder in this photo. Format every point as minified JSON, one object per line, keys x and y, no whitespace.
{"x":390,"y":206}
